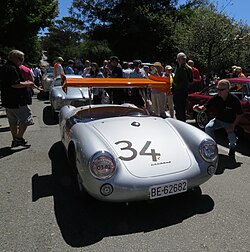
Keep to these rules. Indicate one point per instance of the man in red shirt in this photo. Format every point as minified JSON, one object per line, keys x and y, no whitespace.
{"x":195,"y":85}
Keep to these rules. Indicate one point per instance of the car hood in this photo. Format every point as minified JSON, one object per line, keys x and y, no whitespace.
{"x":73,"y":93}
{"x":147,"y":146}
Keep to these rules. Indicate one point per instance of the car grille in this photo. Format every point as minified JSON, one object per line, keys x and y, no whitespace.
{"x":78,"y":103}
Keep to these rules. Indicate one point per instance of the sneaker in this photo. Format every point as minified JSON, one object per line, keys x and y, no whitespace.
{"x":14,"y":143}
{"x":21,"y":142}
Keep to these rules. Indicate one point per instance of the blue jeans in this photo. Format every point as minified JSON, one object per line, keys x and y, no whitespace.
{"x":215,"y":124}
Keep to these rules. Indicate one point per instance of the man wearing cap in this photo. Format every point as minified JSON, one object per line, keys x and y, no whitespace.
{"x":183,"y":76}
{"x":58,"y":69}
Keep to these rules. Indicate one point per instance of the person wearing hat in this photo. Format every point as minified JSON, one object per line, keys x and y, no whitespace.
{"x":183,"y":76}
{"x":87,"y":68}
{"x":69,"y":68}
{"x":239,"y":73}
{"x":233,"y":72}
{"x":158,"y":97}
{"x":58,"y":69}
{"x":169,"y":96}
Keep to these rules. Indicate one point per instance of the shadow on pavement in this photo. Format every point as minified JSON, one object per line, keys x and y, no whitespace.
{"x":48,"y":118}
{"x":43,"y":96}
{"x":7,"y":151}
{"x":226,"y":162}
{"x":85,"y":221}
{"x":4,"y":129}
{"x":243,"y":144}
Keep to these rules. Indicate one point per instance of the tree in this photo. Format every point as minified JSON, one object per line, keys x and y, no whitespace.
{"x":210,"y":37}
{"x":133,"y":29}
{"x":20,"y":22}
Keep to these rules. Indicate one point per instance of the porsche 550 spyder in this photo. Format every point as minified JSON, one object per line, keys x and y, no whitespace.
{"x":121,"y":153}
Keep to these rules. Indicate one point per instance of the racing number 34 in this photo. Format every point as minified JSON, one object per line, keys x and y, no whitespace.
{"x":134,"y":153}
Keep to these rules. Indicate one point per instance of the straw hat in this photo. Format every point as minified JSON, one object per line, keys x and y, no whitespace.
{"x":158,"y":65}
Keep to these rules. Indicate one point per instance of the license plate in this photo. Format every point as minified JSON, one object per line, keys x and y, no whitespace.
{"x":168,"y":189}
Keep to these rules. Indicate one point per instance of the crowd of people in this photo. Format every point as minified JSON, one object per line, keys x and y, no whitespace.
{"x":157,"y":101}
{"x":19,"y":80}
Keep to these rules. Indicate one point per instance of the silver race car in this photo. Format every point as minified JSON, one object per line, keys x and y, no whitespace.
{"x":75,"y":96}
{"x":121,"y":153}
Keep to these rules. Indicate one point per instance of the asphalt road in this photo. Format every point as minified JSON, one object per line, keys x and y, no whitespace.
{"x":41,"y":212}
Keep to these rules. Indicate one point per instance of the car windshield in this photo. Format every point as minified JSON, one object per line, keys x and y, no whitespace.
{"x":109,"y":111}
{"x":50,"y":70}
{"x":57,"y":82}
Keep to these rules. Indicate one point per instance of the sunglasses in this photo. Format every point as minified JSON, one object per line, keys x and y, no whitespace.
{"x":221,"y":89}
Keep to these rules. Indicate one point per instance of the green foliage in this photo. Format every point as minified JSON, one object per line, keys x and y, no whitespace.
{"x":150,"y":30}
{"x":64,"y":40}
{"x":133,"y":29}
{"x":210,"y":38}
{"x":95,"y":51}
{"x":20,"y":22}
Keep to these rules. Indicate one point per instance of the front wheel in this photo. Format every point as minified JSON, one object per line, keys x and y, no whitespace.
{"x":201,"y":119}
{"x":54,"y":113}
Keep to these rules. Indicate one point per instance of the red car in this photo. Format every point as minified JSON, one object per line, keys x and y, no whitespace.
{"x":239,"y":87}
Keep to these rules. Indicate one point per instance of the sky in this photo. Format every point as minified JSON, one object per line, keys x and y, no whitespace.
{"x":237,"y":9}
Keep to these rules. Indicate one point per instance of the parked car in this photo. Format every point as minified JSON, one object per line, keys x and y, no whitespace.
{"x":47,"y":78}
{"x":75,"y":96}
{"x":121,"y":153}
{"x":239,"y":86}
{"x":46,"y":81}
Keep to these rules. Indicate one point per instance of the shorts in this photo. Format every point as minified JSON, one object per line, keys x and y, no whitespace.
{"x":22,"y":114}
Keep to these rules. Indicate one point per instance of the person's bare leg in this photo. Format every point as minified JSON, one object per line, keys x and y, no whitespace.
{"x":14,"y":130}
{"x":22,"y":128}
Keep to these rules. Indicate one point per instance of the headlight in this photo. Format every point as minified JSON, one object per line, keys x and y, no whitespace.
{"x":102,"y":165}
{"x":208,"y":150}
{"x":60,"y":97}
{"x":59,"y":100}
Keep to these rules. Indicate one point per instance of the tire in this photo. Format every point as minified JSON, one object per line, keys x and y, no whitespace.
{"x":78,"y":187}
{"x":54,"y":113}
{"x":201,"y":119}
{"x":79,"y":184}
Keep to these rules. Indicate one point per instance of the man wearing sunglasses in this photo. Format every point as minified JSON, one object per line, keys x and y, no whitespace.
{"x":227,"y":110}
{"x":15,"y":97}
